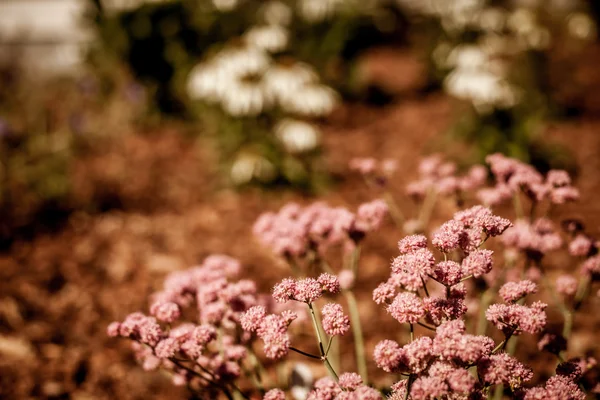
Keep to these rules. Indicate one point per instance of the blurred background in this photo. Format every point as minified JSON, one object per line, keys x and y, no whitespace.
{"x":138,"y":136}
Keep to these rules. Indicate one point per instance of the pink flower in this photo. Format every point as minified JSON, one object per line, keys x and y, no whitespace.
{"x":113,"y":329}
{"x":412,"y":268}
{"x":165,"y":311}
{"x":557,"y":388}
{"x":412,"y":243}
{"x":284,"y":290}
{"x":515,"y":317}
{"x":451,"y":343}
{"x":274,"y":394}
{"x":253,"y":318}
{"x":350,"y":381}
{"x":591,"y":266}
{"x":566,"y":285}
{"x":364,"y":166}
{"x":369,"y":216}
{"x":388,"y":355}
{"x":448,"y":272}
{"x":384,"y":292}
{"x":407,"y":308}
{"x":478,"y":263}
{"x":329,"y":283}
{"x":514,"y":291}
{"x":564,"y":194}
{"x":334,"y":321}
{"x":448,"y":236}
{"x":167,"y":348}
{"x":417,"y":354}
{"x":428,"y":388}
{"x":445,"y":309}
{"x":494,"y":196}
{"x":325,"y":389}
{"x":503,"y":369}
{"x":308,"y":290}
{"x":558,"y":178}
{"x":580,"y":246}
{"x":273,"y":332}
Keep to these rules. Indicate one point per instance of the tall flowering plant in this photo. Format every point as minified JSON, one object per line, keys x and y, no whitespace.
{"x":462,"y":309}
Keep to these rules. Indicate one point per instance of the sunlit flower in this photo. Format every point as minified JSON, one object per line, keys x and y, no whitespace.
{"x":297,"y":136}
{"x":271,"y":38}
{"x":314,"y":100}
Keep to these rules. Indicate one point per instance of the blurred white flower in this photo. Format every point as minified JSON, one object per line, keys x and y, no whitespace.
{"x":271,"y":38}
{"x":242,"y":60}
{"x":312,"y":100}
{"x":206,"y":82}
{"x":233,"y":79}
{"x":314,"y":11}
{"x":301,"y":381}
{"x":484,"y":89}
{"x":492,"y":19}
{"x":581,"y":26}
{"x":480,"y":79}
{"x":276,"y":13}
{"x":225,"y":5}
{"x":244,"y":99}
{"x":280,"y":80}
{"x":467,"y":57}
{"x":297,"y":136}
{"x":249,"y":166}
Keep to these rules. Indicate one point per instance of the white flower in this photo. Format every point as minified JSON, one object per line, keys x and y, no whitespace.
{"x":247,"y":167}
{"x":276,"y":13}
{"x":281,"y":80}
{"x":318,"y":10}
{"x":297,"y":136}
{"x":581,"y":26}
{"x":244,"y":99}
{"x":242,"y":60}
{"x":233,"y":79}
{"x":271,"y":38}
{"x":206,"y":82}
{"x":225,"y":5}
{"x":313,"y":100}
{"x":467,"y":57}
{"x":484,"y":89}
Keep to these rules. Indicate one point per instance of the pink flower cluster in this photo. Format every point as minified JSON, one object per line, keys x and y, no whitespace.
{"x":306,"y":290}
{"x":440,"y":176}
{"x":349,"y":387}
{"x":218,"y":303}
{"x":516,"y":318}
{"x":465,"y":230}
{"x":371,"y":168}
{"x":513,"y":176}
{"x":439,"y":365}
{"x":294,"y":230}
{"x":335,"y":322}
{"x":537,"y":237}
{"x":271,"y":328}
{"x":511,"y":292}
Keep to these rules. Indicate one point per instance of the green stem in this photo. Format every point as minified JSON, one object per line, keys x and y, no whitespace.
{"x":395,"y":212}
{"x":517,"y":205}
{"x":427,"y":208}
{"x":482,"y":321}
{"x":320,"y":339}
{"x":359,"y":347}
